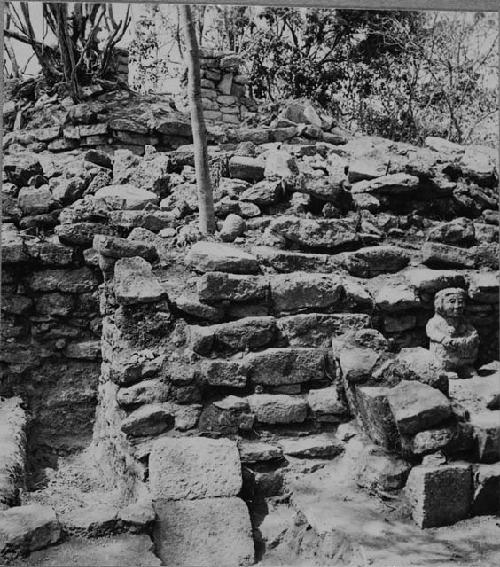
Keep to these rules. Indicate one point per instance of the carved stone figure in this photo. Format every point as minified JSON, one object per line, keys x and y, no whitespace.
{"x":454,"y":341}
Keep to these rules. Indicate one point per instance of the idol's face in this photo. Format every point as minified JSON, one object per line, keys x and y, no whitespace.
{"x":454,"y":305}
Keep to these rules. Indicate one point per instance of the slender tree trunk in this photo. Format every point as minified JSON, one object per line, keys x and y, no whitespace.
{"x":205,"y":194}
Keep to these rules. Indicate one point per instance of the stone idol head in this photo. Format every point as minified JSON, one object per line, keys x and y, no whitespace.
{"x":450,"y":302}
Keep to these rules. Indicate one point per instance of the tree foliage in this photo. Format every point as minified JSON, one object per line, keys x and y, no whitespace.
{"x":86,"y":34}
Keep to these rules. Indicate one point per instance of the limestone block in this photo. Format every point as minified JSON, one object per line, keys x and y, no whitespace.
{"x":27,"y":528}
{"x":134,"y":281}
{"x":486,"y":497}
{"x":279,"y":408}
{"x":440,"y":495}
{"x":323,"y":446}
{"x":212,"y":256}
{"x":194,"y":468}
{"x":207,"y":532}
{"x":292,"y":293}
{"x":214,"y":287}
{"x":281,"y":366}
{"x":416,"y":406}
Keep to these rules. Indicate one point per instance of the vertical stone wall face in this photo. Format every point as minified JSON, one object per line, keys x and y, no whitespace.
{"x":224,"y":89}
{"x":50,"y":339}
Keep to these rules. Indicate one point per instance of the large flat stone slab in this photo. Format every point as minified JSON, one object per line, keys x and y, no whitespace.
{"x":195,"y":467}
{"x":216,"y":257}
{"x":126,"y":550}
{"x":204,"y":533}
{"x":27,"y":528}
{"x":417,"y":406}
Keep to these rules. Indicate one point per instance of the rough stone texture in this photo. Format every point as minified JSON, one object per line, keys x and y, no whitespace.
{"x":376,"y":417}
{"x":315,"y":330}
{"x":13,"y":423}
{"x":215,"y":257}
{"x":417,"y":406}
{"x":486,"y":434}
{"x":279,"y":408}
{"x":325,"y":405}
{"x":27,"y":528}
{"x":431,"y":281}
{"x":247,"y":168}
{"x":394,"y":298}
{"x":114,"y":247}
{"x":327,"y":234}
{"x":357,"y":363}
{"x":126,"y":550}
{"x":379,"y":470}
{"x":224,"y":373}
{"x":301,"y":291}
{"x":374,"y":260}
{"x":437,"y":255}
{"x":211,"y":531}
{"x":257,"y":452}
{"x":135,"y":282}
{"x":215,"y":287}
{"x":430,"y":440}
{"x":194,"y":467}
{"x":149,"y":419}
{"x":248,"y":333}
{"x":322,"y":446}
{"x":134,"y":197}
{"x":280,"y":366}
{"x":458,"y":232}
{"x":486,"y":497}
{"x":440,"y":495}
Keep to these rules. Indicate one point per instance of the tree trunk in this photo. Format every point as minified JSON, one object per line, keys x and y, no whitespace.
{"x":205,"y":194}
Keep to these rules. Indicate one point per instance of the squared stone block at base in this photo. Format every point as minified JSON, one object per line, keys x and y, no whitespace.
{"x":206,"y":532}
{"x":440,"y":495}
{"x":194,"y":468}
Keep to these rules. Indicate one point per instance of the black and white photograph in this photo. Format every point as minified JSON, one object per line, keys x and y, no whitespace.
{"x":250,"y":285}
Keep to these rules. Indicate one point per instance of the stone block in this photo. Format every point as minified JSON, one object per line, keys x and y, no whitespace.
{"x":292,"y":293}
{"x":323,"y":446}
{"x":49,"y":252}
{"x":279,"y":408}
{"x":437,"y":255}
{"x":316,"y":330}
{"x":150,"y":419}
{"x":135,"y":198}
{"x":416,"y":406}
{"x":24,"y":529}
{"x":483,"y":287}
{"x":326,"y":406}
{"x":282,"y":366}
{"x":486,"y":435}
{"x":378,"y":469}
{"x":431,"y":281}
{"x":376,"y":417}
{"x":375,"y":260}
{"x":224,"y":373}
{"x":81,"y":280}
{"x":215,"y":257}
{"x":440,"y":495}
{"x":396,"y":298}
{"x":317,"y":234}
{"x":227,"y":416}
{"x":194,"y":467}
{"x":247,"y":168}
{"x":430,"y":440}
{"x":258,"y":452}
{"x":215,"y":287}
{"x":81,"y":234}
{"x":151,"y":391}
{"x":115,"y":247}
{"x":134,"y":282}
{"x":207,"y":532}
{"x":34,"y":201}
{"x":358,"y":363}
{"x":486,"y":485}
